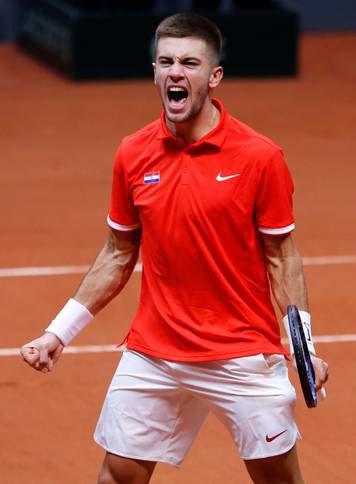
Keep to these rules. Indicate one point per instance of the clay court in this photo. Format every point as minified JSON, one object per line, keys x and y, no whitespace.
{"x":58,"y":141}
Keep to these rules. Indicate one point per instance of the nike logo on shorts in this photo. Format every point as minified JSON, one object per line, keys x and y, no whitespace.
{"x":271,"y":439}
{"x":223,"y":178}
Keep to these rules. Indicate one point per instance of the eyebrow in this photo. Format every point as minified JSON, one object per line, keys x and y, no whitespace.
{"x":181,"y":59}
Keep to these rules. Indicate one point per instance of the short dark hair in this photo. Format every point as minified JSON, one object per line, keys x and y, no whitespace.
{"x":190,"y":24}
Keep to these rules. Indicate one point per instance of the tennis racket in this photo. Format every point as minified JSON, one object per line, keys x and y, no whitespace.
{"x":302,"y":357}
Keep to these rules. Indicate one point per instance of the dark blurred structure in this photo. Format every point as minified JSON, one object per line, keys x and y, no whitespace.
{"x":105,"y":39}
{"x":327,"y":15}
{"x":100,"y":4}
{"x":315,"y":15}
{"x":8,"y":19}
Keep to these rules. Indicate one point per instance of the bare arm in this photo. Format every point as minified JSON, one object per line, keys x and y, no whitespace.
{"x":104,"y":280}
{"x":285,"y":271}
{"x":110,"y":271}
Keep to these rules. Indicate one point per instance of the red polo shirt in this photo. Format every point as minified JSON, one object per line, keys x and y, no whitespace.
{"x":205,"y":293}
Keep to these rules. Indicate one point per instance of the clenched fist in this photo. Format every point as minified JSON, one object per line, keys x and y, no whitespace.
{"x":42,"y":353}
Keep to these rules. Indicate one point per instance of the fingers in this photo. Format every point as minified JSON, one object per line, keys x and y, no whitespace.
{"x":30,"y":355}
{"x":321,"y":369}
{"x":44,"y":364}
{"x":37,"y":358}
{"x":294,"y":363}
{"x":42,"y":353}
{"x":321,"y":376}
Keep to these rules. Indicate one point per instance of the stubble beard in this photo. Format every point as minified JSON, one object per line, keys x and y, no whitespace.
{"x":180,"y":117}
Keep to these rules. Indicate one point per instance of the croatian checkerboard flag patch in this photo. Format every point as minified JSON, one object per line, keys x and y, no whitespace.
{"x":152,"y":177}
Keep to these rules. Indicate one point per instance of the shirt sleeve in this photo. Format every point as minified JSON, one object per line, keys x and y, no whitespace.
{"x":274,"y":198}
{"x":123,"y":214}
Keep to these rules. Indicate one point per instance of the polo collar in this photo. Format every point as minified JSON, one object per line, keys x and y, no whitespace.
{"x":215,"y":137}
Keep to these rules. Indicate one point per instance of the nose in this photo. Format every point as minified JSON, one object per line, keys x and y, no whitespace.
{"x":176,"y":71}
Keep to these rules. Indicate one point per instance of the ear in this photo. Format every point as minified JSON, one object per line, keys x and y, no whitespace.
{"x":216,"y":76}
{"x":154,"y":72}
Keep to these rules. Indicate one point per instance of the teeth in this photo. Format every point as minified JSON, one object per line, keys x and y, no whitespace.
{"x":177,"y":89}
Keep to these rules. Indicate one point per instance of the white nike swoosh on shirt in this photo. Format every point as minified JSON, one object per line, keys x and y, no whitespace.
{"x":223,"y":178}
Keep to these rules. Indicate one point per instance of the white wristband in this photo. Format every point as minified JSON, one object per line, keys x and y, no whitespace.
{"x":72,"y":318}
{"x":306,"y":323}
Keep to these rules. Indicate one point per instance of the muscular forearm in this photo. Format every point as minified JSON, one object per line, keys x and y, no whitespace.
{"x":285,"y":271}
{"x":104,"y":280}
{"x":109,"y":273}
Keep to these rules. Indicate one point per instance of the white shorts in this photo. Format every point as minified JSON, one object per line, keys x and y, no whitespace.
{"x":154,"y":408}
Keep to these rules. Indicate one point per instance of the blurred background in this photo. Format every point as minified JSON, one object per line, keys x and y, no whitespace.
{"x":79,"y":37}
{"x":315,"y":15}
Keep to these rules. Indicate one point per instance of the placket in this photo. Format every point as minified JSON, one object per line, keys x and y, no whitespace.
{"x":185,"y":168}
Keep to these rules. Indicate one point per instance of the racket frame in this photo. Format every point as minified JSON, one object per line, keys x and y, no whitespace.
{"x":302,"y":357}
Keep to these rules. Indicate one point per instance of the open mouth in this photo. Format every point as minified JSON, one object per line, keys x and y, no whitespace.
{"x":177,"y":96}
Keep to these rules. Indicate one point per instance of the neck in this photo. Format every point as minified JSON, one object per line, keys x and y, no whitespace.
{"x":194,"y":129}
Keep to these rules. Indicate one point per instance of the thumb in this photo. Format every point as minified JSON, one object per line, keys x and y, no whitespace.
{"x":322,"y":394}
{"x":57,"y":353}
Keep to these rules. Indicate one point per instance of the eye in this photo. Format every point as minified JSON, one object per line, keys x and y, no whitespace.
{"x":165,"y":62}
{"x":191,"y":63}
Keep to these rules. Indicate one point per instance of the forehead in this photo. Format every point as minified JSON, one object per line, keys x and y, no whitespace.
{"x":181,"y":47}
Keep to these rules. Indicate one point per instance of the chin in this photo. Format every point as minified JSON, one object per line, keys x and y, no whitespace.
{"x":180,"y":117}
{"x":177,"y":117}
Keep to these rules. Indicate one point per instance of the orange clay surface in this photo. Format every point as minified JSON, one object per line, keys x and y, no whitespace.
{"x":57,"y":143}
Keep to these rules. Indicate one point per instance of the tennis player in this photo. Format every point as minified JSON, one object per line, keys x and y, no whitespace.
{"x":209,"y":201}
